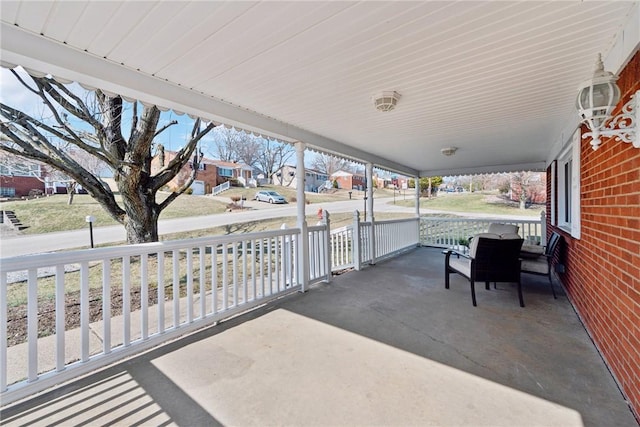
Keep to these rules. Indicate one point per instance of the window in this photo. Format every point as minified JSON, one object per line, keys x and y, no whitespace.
{"x":7,"y":192}
{"x":568,"y":189}
{"x":225,"y":172}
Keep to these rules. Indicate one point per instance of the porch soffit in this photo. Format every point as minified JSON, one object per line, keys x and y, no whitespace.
{"x":495,"y":79}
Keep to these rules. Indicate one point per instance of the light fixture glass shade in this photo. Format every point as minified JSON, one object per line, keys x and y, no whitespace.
{"x":596,"y":102}
{"x":597,"y":97}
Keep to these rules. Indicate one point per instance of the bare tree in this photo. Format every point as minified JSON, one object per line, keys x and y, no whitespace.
{"x":273,"y":157}
{"x":326,"y":163}
{"x":237,"y":146}
{"x":524,"y":185}
{"x":99,"y":133}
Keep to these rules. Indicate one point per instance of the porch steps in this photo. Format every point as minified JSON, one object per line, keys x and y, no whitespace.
{"x":9,"y":218}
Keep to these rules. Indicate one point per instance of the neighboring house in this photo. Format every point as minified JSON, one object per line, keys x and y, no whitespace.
{"x":349,"y":181}
{"x":594,"y":202}
{"x":227,"y":171}
{"x":61,"y":187}
{"x":313,"y":179}
{"x":400,"y":182}
{"x":21,"y":178}
{"x":211,"y":173}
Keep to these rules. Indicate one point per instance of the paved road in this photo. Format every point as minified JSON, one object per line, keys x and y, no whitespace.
{"x":49,"y":242}
{"x":38,"y":243}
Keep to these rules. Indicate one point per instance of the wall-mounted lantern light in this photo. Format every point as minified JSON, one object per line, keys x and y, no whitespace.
{"x":596,"y":101}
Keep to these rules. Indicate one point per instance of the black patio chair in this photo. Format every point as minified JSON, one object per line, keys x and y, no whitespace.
{"x":538,"y":260}
{"x":492,"y":258}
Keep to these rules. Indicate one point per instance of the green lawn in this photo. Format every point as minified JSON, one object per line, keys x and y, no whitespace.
{"x":49,"y":214}
{"x":485,"y":202}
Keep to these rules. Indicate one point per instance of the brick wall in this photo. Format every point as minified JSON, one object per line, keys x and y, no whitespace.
{"x":209,"y":175}
{"x":22,"y":184}
{"x":602,"y":276}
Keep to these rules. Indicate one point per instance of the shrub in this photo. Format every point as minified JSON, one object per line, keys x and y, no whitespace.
{"x":235,"y":199}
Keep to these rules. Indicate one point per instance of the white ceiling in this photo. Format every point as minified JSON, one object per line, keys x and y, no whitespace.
{"x":498,"y":80}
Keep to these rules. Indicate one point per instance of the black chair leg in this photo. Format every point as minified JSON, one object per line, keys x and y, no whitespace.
{"x":520,"y":294}
{"x":553,"y":291}
{"x":473,"y":294}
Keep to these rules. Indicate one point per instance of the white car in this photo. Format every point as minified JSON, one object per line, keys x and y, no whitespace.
{"x":269,"y":196}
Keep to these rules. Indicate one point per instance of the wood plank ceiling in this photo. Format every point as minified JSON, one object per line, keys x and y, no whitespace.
{"x":495,"y":79}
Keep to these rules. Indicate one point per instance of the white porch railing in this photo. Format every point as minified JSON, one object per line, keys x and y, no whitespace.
{"x":220,"y":188}
{"x":450,"y":232}
{"x":166,"y":289}
{"x":342,"y":248}
{"x":161,"y":290}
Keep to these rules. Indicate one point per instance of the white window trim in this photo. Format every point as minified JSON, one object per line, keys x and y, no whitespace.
{"x":554,"y":192}
{"x":570,"y":154}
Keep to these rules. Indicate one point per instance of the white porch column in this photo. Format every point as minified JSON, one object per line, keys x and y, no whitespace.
{"x":417,"y":180}
{"x":370,"y":216}
{"x":303,"y":246}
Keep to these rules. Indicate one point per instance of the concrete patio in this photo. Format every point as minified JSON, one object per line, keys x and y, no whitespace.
{"x":384,"y":346}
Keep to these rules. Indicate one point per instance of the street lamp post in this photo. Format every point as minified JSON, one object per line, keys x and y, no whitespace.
{"x":90,"y":219}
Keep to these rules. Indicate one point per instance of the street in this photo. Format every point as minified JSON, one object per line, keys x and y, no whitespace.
{"x":38,"y":243}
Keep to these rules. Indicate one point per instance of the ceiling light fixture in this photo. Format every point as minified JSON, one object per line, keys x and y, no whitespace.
{"x":449,"y":151}
{"x":596,"y":101}
{"x":386,"y":100}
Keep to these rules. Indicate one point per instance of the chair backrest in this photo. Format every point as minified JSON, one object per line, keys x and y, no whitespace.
{"x":552,"y":244}
{"x":497,"y":260}
{"x":501,"y":228}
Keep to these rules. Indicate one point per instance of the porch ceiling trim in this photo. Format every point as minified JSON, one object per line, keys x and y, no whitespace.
{"x":21,"y":47}
{"x":533,"y":166}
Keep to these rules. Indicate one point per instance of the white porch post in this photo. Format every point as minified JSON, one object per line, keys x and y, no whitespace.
{"x":355,"y":244}
{"x":326,"y":219}
{"x":417,"y":180}
{"x":303,"y":244}
{"x":417,"y":188}
{"x":370,"y":216}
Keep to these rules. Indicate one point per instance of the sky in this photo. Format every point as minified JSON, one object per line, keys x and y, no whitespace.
{"x":15,"y":95}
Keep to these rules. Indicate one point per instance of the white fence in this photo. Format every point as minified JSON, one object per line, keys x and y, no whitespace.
{"x":85,"y":309}
{"x":450,"y":232}
{"x":130,"y":298}
{"x":341,"y":248}
{"x":220,"y":188}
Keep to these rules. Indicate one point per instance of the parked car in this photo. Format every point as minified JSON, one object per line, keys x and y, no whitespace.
{"x":269,"y":196}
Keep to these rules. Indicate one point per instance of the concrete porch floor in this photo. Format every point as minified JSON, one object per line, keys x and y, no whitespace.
{"x":384,"y":346}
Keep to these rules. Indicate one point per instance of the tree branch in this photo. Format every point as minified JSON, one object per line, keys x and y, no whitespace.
{"x":165,"y":127}
{"x":164,"y":175}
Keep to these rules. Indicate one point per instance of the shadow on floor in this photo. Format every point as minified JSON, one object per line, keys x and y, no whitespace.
{"x":387,"y":346}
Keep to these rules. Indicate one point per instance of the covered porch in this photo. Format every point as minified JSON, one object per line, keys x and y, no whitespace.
{"x":489,"y":86}
{"x":386,"y":345}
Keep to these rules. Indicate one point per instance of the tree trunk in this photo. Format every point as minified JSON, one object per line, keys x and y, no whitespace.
{"x":71,"y":191}
{"x":141,"y":211}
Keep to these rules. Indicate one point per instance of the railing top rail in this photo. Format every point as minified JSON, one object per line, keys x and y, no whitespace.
{"x":24,"y":262}
{"x":341,"y":229}
{"x":398,"y":220}
{"x":316,"y":227}
{"x":501,"y":220}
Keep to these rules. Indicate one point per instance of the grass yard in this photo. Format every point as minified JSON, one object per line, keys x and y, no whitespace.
{"x":486,"y":202}
{"x":49,"y":214}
